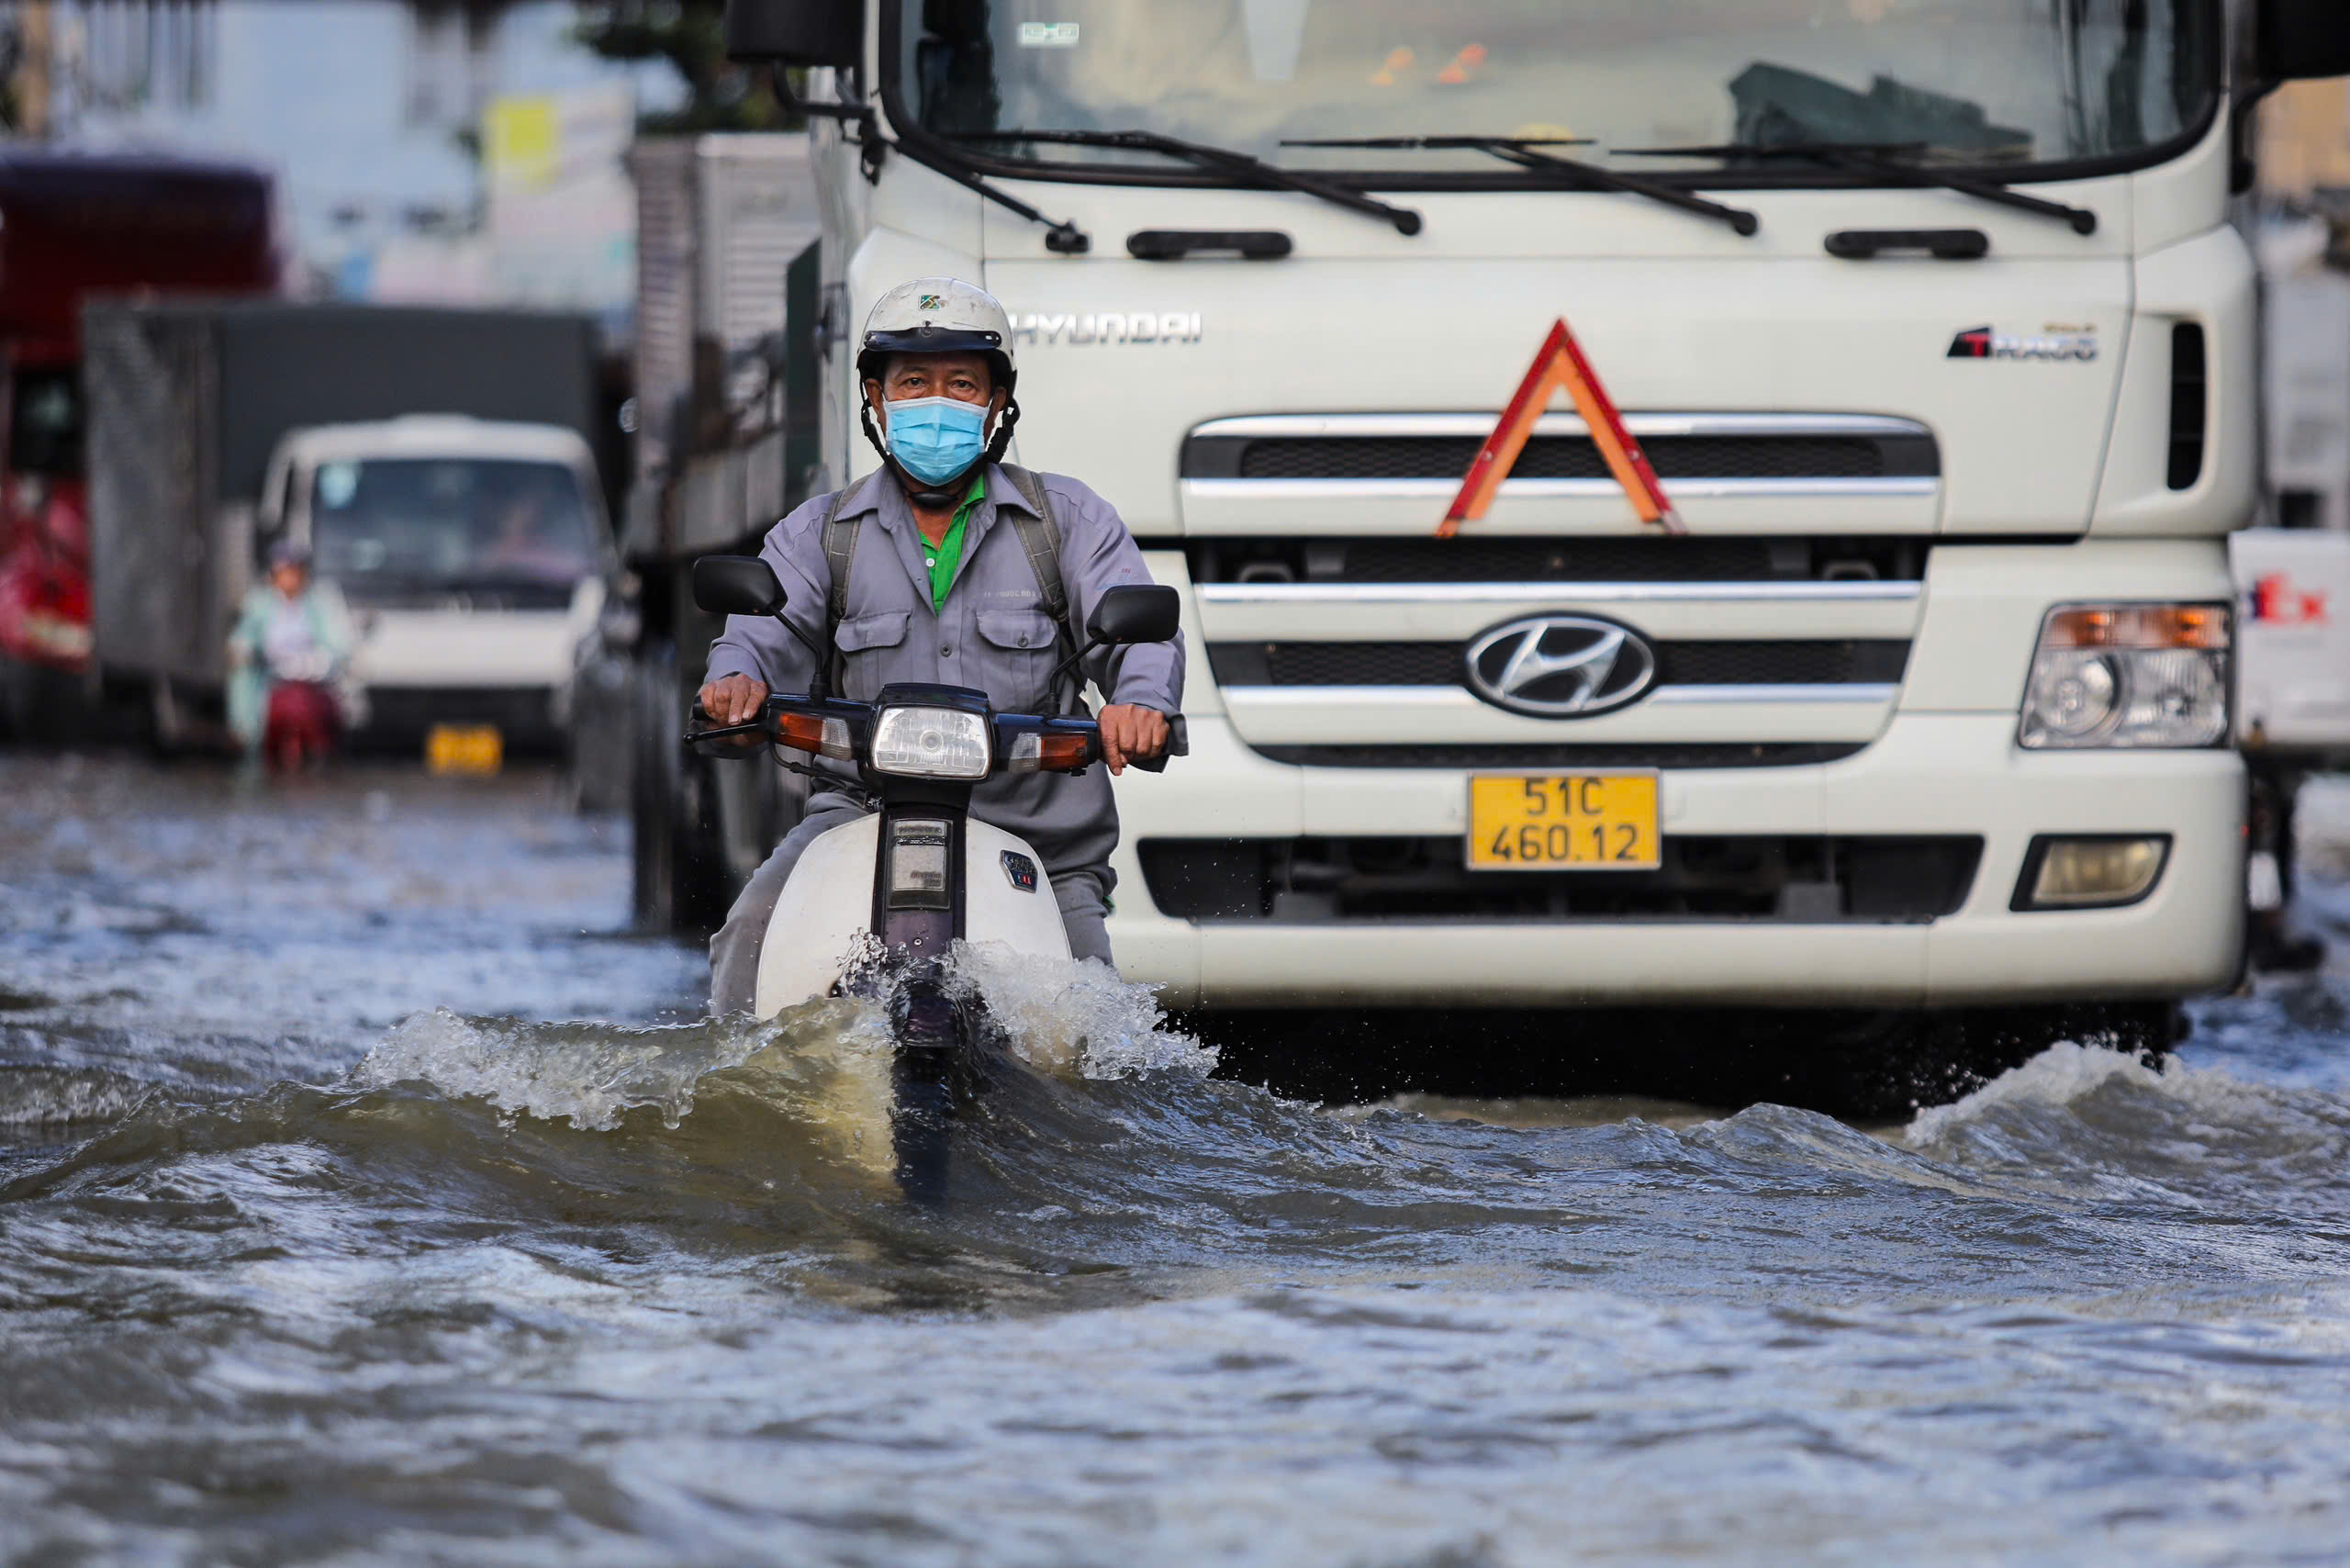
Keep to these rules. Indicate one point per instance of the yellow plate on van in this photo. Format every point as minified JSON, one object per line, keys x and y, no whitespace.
{"x":1563,"y":822}
{"x":463,"y":749}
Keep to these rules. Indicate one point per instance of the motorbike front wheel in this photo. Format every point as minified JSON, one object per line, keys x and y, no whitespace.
{"x":936,"y":1072}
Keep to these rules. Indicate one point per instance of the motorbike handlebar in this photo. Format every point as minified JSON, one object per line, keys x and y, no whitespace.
{"x":702,"y":730}
{"x":707,"y":738}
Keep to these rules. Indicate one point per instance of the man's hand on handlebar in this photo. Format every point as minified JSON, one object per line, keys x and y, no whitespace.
{"x":735,"y":699}
{"x":1129,"y":734}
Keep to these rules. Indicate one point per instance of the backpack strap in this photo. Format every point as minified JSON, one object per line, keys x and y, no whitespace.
{"x":840,"y":555}
{"x":1040,"y":536}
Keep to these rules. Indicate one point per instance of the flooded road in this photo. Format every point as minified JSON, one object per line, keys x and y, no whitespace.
{"x":326,"y":1236}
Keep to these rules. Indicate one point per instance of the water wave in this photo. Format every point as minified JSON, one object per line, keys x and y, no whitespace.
{"x":590,"y":1075}
{"x":48,"y":1096}
{"x":2091,"y":1121}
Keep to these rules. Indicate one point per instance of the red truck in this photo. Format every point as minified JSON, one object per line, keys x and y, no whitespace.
{"x":74,"y":225}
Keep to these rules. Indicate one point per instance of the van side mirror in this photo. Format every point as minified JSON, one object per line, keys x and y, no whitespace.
{"x":796,"y":32}
{"x":1136,"y":612}
{"x":737,"y":585}
{"x":2298,"y":39}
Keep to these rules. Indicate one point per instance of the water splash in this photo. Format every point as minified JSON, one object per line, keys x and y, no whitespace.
{"x":48,"y":1096}
{"x":1075,"y":1017}
{"x":2088,"y":1120}
{"x":591,"y":1074}
{"x":2056,"y":1077}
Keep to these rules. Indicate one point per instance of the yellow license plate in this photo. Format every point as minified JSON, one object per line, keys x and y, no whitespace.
{"x":1563,"y":822}
{"x":463,"y":749}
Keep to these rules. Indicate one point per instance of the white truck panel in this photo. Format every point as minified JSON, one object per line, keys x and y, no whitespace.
{"x":2208,"y":280}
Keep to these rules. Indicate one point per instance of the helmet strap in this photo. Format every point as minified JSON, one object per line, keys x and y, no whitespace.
{"x":1003,"y":442}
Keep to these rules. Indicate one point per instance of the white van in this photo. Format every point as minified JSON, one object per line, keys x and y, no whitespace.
{"x":473,"y":554}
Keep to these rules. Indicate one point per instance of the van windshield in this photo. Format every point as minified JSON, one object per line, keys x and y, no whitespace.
{"x":454,"y":522}
{"x":1995,"y":82}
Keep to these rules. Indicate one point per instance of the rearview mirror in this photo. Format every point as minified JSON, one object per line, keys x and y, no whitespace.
{"x":1136,"y":612}
{"x":2299,"y":39}
{"x":737,"y":585}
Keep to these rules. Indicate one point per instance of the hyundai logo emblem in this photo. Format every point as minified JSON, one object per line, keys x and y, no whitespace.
{"x":1560,"y":666}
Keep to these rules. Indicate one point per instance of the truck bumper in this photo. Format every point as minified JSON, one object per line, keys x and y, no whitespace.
{"x":1928,"y":774}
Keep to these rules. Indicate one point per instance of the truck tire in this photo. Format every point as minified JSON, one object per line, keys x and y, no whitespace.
{"x":40,"y":706}
{"x":678,"y":865}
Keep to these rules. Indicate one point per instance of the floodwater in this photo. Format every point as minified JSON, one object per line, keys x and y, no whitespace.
{"x":329,"y":1234}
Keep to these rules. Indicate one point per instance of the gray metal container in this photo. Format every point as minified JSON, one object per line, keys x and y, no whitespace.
{"x":720,"y":219}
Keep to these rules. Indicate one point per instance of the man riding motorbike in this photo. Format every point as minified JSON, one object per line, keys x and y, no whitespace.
{"x":950,"y":568}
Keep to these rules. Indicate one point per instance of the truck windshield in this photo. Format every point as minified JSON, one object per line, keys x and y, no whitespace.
{"x":1994,"y":82}
{"x":456,"y":522}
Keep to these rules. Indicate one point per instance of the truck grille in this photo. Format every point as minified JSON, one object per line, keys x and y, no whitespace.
{"x":1336,"y":624}
{"x":1551,"y":457}
{"x":1471,"y":559}
{"x":1693,"y":447}
{"x":1754,"y":877}
{"x":1751,"y":663}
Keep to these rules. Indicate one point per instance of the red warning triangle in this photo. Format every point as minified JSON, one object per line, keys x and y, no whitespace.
{"x":1560,"y":363}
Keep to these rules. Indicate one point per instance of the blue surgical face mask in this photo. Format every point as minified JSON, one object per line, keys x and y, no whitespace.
{"x":936,"y":438}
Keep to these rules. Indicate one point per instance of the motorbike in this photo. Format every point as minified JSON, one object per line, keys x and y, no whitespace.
{"x":874,"y":905}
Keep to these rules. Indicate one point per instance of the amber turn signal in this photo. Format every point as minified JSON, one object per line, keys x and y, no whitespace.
{"x":807,"y":732}
{"x":1034,"y":753}
{"x":2137,"y":626}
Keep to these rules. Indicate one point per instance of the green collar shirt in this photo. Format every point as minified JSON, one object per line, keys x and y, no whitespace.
{"x":943,"y":557}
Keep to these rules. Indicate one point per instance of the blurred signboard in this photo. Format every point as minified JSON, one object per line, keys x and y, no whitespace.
{"x":560,"y":224}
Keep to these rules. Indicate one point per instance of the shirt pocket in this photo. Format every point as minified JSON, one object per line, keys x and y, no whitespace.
{"x":1021,"y":649}
{"x":871,"y":649}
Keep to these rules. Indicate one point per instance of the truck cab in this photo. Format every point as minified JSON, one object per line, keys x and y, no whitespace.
{"x":1928,"y":315}
{"x":473,"y":554}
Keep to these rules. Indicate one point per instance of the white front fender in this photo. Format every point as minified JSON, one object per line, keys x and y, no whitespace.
{"x":826,"y":910}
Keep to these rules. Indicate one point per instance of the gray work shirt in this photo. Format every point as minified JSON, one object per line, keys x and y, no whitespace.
{"x":994,"y":635}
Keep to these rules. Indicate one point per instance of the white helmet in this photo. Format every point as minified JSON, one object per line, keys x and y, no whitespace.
{"x":937,"y":315}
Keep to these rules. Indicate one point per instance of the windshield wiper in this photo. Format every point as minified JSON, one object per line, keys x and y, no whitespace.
{"x":1571,"y":175}
{"x":1064,"y":237}
{"x":1256,"y":169}
{"x":1875,"y":158}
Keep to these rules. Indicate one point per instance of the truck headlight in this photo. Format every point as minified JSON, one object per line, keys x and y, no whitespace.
{"x":930,"y":743}
{"x":2128,"y":675}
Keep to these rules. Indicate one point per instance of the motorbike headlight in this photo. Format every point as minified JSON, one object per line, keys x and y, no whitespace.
{"x":2128,"y":675}
{"x":930,"y":743}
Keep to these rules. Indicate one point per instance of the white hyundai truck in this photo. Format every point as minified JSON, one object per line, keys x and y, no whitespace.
{"x":1928,"y":316}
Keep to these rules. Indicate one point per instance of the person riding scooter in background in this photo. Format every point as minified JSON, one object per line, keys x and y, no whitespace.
{"x":290,"y":650}
{"x":950,"y":568}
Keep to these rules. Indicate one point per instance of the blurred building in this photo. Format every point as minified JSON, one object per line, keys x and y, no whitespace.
{"x":424,"y":150}
{"x":2305,"y":264}
{"x":2305,"y":141}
